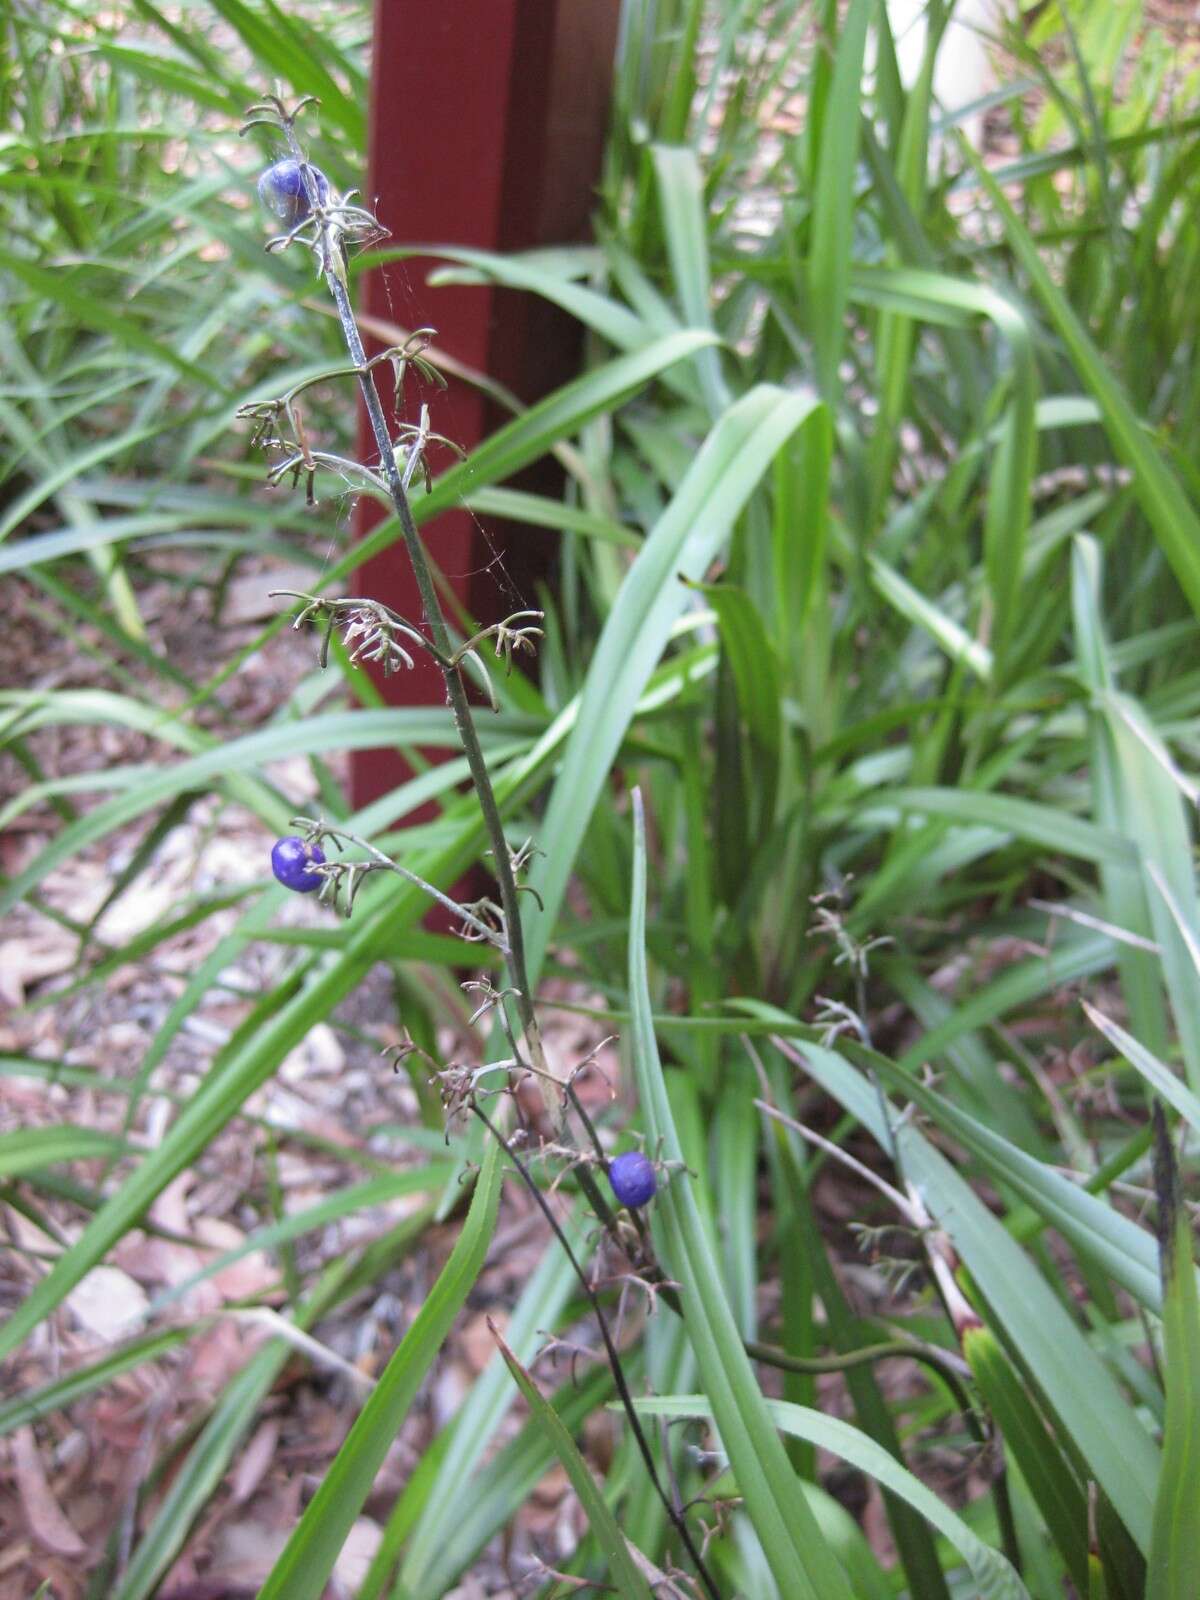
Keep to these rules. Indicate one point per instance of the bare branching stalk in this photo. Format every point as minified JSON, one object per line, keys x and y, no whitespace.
{"x":330,"y":256}
{"x":325,"y":224}
{"x":614,"y":1358}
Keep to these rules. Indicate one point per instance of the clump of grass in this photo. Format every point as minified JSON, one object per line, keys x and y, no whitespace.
{"x":855,"y":815}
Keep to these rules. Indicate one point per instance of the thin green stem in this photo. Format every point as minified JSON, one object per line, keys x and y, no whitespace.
{"x":937,"y":1361}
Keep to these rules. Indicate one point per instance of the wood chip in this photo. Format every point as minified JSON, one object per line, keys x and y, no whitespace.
{"x":47,"y":1520}
{"x":255,"y":1459}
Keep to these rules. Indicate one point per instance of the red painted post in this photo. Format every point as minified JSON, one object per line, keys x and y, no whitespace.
{"x":487,"y":129}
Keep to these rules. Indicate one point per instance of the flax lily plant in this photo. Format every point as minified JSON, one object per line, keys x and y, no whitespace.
{"x":853,"y":789}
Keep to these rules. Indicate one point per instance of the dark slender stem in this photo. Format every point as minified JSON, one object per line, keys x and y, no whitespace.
{"x":460,"y":706}
{"x":463,"y":720}
{"x":509,"y":899}
{"x":456,"y":693}
{"x":334,"y":271}
{"x":614,"y":1359}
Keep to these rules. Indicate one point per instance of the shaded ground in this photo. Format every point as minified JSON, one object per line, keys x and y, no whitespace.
{"x":66,"y":1482}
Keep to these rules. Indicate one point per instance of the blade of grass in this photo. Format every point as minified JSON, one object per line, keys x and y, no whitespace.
{"x":832,"y":224}
{"x":63,"y":1392}
{"x":433,"y":1176}
{"x":1173,"y":1571}
{"x":303,"y":1568}
{"x":30,"y":1149}
{"x":695,"y":525}
{"x":1158,"y":1076}
{"x":621,"y":1569}
{"x":502,"y":1487}
{"x":914,"y":1542}
{"x":1119,"y":1246}
{"x":475,"y":1425}
{"x":798,"y":1556}
{"x":208,"y":1460}
{"x":681,"y":204}
{"x":1077,"y":1386}
{"x":1158,"y":491}
{"x":1052,"y":1483}
{"x":993,"y":1577}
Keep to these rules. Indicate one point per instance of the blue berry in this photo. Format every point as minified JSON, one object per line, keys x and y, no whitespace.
{"x":282,"y":189}
{"x":289,"y":862}
{"x":633,"y":1179}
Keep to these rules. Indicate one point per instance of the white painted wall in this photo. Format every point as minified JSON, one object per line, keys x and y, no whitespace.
{"x":964,"y":70}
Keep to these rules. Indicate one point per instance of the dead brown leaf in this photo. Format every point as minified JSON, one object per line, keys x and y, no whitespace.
{"x":255,"y":1461}
{"x":47,"y":1520}
{"x":28,"y":960}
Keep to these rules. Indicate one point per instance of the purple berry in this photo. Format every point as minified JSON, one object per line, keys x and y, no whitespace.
{"x":283,"y":190}
{"x":633,"y":1179}
{"x":289,"y":862}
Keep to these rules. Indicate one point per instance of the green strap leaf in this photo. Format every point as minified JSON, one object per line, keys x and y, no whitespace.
{"x":994,"y":1576}
{"x":1157,"y":1073}
{"x":1080,"y":1389}
{"x":694,"y":527}
{"x":630,"y":1582}
{"x":36,"y":1404}
{"x":309,"y":1555}
{"x":1173,"y":1568}
{"x":1052,"y":1482}
{"x":801,"y":1561}
{"x":30,"y":1149}
{"x":1166,"y":507}
{"x":833,"y":200}
{"x":438,"y":1523}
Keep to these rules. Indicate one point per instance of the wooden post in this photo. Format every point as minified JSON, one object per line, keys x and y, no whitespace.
{"x":487,"y":128}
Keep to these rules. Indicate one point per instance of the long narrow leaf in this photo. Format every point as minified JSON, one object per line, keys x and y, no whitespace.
{"x":1118,"y":1451}
{"x":993,"y":1576}
{"x":621,"y":1569}
{"x":801,"y":1562}
{"x":1173,"y":1571}
{"x":1163,"y":501}
{"x":690,"y":532}
{"x":308,"y":1558}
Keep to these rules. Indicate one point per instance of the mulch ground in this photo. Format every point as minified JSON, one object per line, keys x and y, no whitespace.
{"x":104,"y":1463}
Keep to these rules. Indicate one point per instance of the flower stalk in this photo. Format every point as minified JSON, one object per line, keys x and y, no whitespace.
{"x":327,"y":243}
{"x":325,"y":223}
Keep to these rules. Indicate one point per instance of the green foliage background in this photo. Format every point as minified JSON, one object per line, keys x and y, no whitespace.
{"x":879,"y":574}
